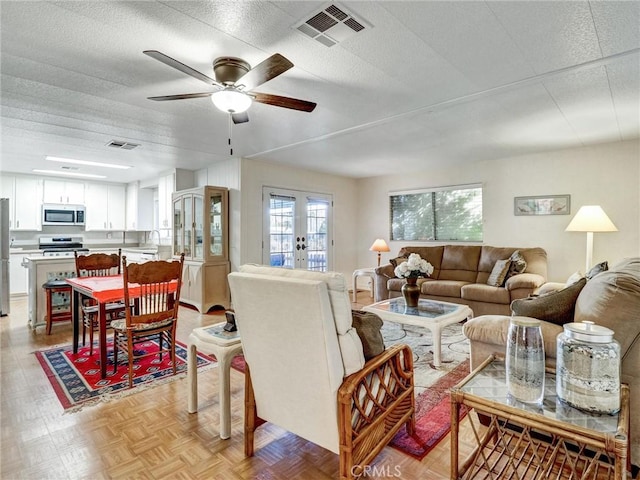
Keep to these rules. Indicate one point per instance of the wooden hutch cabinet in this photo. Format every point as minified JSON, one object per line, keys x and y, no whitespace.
{"x":201,"y":231}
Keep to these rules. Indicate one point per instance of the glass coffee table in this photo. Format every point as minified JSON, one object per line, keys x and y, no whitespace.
{"x":430,"y":314}
{"x":518,"y":440}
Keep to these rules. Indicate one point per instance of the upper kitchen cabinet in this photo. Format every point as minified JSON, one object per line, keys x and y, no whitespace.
{"x":105,"y":207}
{"x":25,"y":210}
{"x":63,"y":191}
{"x":179,"y":179}
{"x":139,"y":208}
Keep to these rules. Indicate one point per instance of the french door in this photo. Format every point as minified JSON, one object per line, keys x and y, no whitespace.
{"x":297,"y":229}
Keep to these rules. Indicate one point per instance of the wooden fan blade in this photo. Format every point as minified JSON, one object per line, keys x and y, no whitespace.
{"x":240,"y":117}
{"x":265,"y":71}
{"x":285,"y":102}
{"x":161,"y":57}
{"x":181,"y":96}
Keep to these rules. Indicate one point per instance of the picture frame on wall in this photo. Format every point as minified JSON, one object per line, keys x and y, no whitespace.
{"x":542,"y":205}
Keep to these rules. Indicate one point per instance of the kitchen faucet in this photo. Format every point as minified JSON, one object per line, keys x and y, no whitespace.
{"x":151,"y":236}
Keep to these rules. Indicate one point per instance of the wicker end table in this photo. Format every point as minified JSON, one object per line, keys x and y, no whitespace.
{"x":522,"y":441}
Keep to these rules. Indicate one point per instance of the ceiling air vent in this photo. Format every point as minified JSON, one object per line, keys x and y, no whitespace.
{"x":333,"y":24}
{"x":122,"y":144}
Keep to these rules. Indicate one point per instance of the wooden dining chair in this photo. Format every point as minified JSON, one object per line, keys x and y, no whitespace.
{"x":97,"y":265}
{"x":153,"y":288}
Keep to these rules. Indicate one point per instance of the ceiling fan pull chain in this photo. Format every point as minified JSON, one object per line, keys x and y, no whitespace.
{"x":230,"y":126}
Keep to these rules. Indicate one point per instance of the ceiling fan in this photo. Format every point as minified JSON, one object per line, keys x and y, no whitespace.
{"x":235,"y":80}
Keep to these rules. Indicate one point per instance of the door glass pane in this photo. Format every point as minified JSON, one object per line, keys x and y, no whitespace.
{"x":177,"y":227}
{"x":188,"y":226}
{"x":198,"y":229}
{"x":281,"y":234}
{"x":317,"y":241}
{"x":215,"y":224}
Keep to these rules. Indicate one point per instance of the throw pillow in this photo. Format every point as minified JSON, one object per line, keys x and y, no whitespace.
{"x":397,"y":261}
{"x":574,"y":278}
{"x":596,"y":269}
{"x":368,"y":326}
{"x":499,"y":273}
{"x":555,"y":307}
{"x":518,"y":264}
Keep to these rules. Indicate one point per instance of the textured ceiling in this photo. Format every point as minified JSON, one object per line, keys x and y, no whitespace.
{"x":426,"y":84}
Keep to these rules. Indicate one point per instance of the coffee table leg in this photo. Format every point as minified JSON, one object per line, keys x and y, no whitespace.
{"x":436,"y":333}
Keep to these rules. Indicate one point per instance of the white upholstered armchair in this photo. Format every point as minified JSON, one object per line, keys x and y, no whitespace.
{"x":306,"y":370}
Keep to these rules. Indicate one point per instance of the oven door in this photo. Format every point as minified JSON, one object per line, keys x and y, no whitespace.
{"x":58,"y":215}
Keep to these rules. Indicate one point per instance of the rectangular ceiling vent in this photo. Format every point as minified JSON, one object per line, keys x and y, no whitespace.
{"x":331,"y":25}
{"x":122,"y":144}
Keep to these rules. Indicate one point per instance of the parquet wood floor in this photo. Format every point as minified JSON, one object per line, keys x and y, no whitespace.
{"x":150,"y":435}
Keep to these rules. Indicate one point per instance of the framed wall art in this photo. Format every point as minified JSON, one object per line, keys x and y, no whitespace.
{"x":542,"y":205}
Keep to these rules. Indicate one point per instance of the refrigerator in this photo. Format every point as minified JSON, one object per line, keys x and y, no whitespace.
{"x":4,"y":256}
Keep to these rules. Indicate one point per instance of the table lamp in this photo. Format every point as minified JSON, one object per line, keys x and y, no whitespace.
{"x":590,"y":218}
{"x":379,"y":246}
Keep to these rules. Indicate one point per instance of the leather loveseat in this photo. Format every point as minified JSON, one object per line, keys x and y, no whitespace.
{"x":610,"y":299}
{"x":460,"y":276}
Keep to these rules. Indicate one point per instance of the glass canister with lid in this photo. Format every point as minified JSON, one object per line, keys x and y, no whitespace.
{"x":588,"y":368}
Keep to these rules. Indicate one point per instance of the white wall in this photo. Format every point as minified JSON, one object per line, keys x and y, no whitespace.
{"x":606,"y":175}
{"x":257,"y":174}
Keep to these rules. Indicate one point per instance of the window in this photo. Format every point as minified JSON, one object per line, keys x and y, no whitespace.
{"x":439,"y":214}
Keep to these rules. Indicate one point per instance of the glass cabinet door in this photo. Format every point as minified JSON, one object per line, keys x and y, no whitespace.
{"x":188,"y":225}
{"x":177,"y":227}
{"x":198,"y":229}
{"x":215,"y":224}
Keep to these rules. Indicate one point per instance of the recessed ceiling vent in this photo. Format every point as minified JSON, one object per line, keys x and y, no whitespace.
{"x":333,"y":24}
{"x":65,"y":167}
{"x":122,"y":144}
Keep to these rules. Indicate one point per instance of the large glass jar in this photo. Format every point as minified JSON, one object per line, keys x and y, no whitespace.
{"x":525,"y":360}
{"x":588,"y":368}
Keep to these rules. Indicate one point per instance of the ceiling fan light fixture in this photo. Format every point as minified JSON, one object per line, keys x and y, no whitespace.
{"x":230,"y":100}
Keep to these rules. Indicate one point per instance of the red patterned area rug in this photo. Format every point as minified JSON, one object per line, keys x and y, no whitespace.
{"x":76,"y":378}
{"x":433,"y":415}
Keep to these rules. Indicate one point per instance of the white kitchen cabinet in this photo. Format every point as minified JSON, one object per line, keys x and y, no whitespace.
{"x":17,"y":275}
{"x":105,"y":207}
{"x":63,"y":191}
{"x":27,"y":209}
{"x":139,"y":214}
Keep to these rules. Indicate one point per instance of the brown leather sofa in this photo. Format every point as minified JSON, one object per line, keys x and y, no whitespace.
{"x":460,"y":276}
{"x":610,"y":299}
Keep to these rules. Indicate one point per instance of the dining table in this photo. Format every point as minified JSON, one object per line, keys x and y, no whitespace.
{"x":102,"y":290}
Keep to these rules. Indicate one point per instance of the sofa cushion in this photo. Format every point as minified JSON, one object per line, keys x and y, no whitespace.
{"x":499,"y":273}
{"x":556,"y":307}
{"x":395,"y":284}
{"x":460,"y":262}
{"x":485,"y":293}
{"x":368,"y":326}
{"x":611,"y":299}
{"x":443,"y":288}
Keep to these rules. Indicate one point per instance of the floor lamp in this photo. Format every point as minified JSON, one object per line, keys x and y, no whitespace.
{"x":590,"y":218}
{"x":379,"y":246}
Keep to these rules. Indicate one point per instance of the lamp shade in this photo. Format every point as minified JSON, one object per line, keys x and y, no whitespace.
{"x":591,"y":218}
{"x":230,"y":100}
{"x":379,"y":246}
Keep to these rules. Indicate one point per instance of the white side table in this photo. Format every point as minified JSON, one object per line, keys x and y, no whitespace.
{"x":224,"y":345}
{"x":363,"y":272}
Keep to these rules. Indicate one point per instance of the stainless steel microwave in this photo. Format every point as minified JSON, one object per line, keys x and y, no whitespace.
{"x":58,"y":214}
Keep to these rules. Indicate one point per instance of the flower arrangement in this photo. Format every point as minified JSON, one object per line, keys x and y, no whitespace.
{"x":414,"y":267}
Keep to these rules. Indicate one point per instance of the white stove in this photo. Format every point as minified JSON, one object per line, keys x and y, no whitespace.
{"x":61,"y":246}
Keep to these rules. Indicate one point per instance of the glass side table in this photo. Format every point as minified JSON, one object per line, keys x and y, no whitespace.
{"x":518,"y":440}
